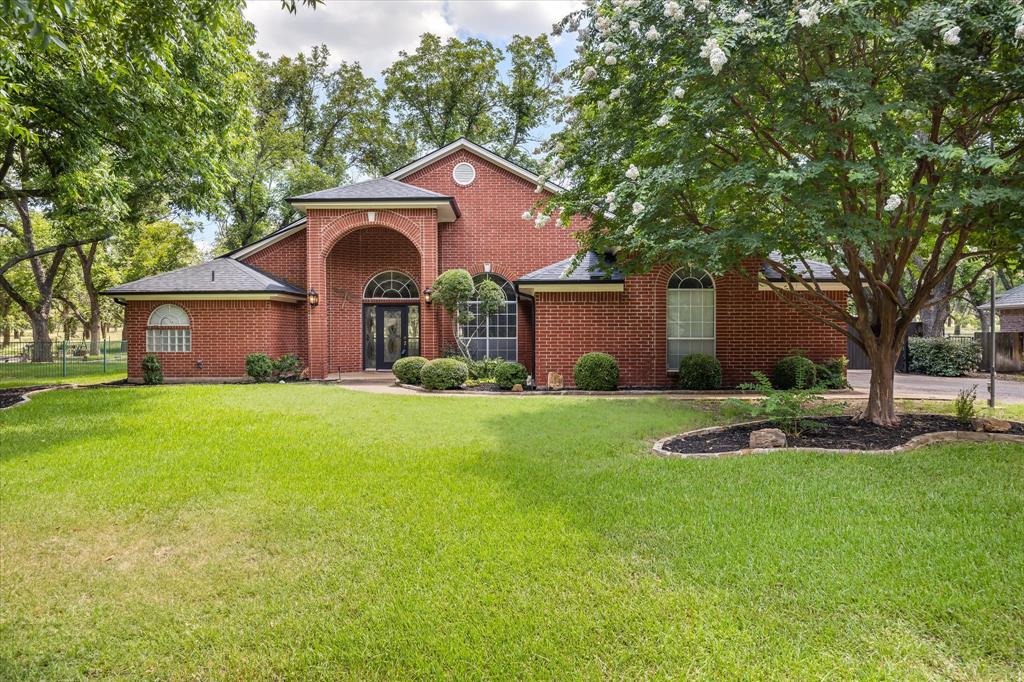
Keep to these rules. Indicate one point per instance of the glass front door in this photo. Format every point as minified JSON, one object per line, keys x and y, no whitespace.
{"x":390,"y":332}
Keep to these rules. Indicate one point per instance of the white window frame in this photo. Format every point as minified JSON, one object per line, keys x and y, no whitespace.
{"x":165,"y":335}
{"x":507,"y":287}
{"x":390,"y":277}
{"x":686,"y":273}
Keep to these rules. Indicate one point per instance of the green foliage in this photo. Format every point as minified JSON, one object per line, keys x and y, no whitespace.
{"x":508,"y":374}
{"x":151,"y":371}
{"x":700,"y":372}
{"x":788,"y":410}
{"x":407,"y":370}
{"x":455,"y":290}
{"x":259,"y":366}
{"x":596,"y":372}
{"x":288,"y":367}
{"x":794,"y":371}
{"x":485,"y":369}
{"x":831,"y":374}
{"x":963,"y":406}
{"x":941,"y":357}
{"x":443,"y":374}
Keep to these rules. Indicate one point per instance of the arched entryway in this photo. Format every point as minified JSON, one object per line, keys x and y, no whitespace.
{"x":391,"y":319}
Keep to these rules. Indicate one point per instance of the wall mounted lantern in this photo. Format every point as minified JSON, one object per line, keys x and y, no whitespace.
{"x":313,"y":298}
{"x":428,"y":294}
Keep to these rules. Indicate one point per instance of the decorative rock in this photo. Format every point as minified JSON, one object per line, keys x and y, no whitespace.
{"x":767,"y":438}
{"x":992,"y":425}
{"x":517,"y":388}
{"x":555,"y":381}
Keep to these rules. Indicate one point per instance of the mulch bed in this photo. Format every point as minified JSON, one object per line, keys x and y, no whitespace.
{"x":836,"y":433}
{"x":12,"y":396}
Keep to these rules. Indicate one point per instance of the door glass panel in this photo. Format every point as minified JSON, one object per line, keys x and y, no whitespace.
{"x":392,"y":335}
{"x":414,"y":330}
{"x":369,"y":336}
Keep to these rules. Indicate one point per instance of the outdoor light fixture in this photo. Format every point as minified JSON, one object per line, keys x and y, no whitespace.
{"x":428,"y":293}
{"x":313,"y":298}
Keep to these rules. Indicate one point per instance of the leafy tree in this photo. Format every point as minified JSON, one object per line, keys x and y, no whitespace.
{"x":455,"y":291}
{"x":852,"y":133}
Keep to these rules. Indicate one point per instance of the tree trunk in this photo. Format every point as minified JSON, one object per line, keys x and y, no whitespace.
{"x":87,"y":257}
{"x":881,"y":406}
{"x":42,"y":347}
{"x":936,"y":313}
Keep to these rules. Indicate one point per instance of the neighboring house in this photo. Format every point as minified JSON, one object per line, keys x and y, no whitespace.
{"x":347,"y":288}
{"x":1010,"y":308}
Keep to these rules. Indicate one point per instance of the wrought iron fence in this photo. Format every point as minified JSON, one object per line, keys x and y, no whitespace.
{"x":30,"y":360}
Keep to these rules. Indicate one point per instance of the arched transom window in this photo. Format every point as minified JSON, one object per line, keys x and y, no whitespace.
{"x":691,"y":315}
{"x":168,"y":330}
{"x":391,"y":284}
{"x":495,"y":336}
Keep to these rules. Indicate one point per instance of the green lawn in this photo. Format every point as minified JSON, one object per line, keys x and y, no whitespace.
{"x":305,"y":531}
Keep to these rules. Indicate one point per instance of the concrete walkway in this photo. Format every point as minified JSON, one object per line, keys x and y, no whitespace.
{"x":919,"y":386}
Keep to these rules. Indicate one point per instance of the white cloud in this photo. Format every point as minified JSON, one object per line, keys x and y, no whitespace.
{"x":373,"y":32}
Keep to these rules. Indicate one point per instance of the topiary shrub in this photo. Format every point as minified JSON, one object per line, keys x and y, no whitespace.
{"x":288,"y":367}
{"x":939,"y":357}
{"x":596,"y":372}
{"x":700,"y":372}
{"x":508,"y":374}
{"x":794,"y":371}
{"x":259,"y":366}
{"x":443,"y":374}
{"x":407,"y":370}
{"x":151,"y":372}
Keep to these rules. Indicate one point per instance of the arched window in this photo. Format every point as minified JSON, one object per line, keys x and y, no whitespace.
{"x":167,"y":330}
{"x":391,"y":284}
{"x":495,"y":336}
{"x":691,"y":315}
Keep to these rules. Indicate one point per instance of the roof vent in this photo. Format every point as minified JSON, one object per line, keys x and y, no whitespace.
{"x":464,"y":173}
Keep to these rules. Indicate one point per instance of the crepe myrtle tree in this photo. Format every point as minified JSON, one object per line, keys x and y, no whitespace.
{"x":858,"y":132}
{"x":466,"y":302}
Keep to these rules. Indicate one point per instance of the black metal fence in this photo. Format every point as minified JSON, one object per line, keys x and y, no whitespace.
{"x":31,"y":360}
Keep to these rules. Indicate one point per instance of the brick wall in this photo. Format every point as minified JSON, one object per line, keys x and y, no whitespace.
{"x":285,"y":259}
{"x":1011,"y":320}
{"x":223,"y":333}
{"x":753,"y":329}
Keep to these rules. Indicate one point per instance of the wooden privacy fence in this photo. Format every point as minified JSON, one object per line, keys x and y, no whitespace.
{"x":1009,"y":351}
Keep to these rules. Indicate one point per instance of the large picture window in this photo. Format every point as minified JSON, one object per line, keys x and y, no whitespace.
{"x":691,"y":315}
{"x":495,"y":336}
{"x":168,"y":330}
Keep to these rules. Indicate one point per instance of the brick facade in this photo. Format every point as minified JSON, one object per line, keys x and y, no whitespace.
{"x":340,"y":250}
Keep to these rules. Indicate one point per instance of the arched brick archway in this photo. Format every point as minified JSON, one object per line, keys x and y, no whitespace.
{"x":337,"y":228}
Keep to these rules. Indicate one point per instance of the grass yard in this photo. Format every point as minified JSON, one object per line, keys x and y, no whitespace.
{"x":305,"y":531}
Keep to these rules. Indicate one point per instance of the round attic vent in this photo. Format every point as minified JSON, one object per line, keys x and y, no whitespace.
{"x":464,"y":173}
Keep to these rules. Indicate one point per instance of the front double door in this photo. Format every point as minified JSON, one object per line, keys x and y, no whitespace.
{"x":390,"y":332}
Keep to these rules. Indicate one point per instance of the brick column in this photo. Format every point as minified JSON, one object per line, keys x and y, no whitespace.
{"x":430,"y":336}
{"x":316,"y":269}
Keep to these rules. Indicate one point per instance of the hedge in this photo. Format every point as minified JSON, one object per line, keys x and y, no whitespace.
{"x":407,"y":370}
{"x":940,"y":357}
{"x":700,"y":372}
{"x":443,"y":374}
{"x":508,"y":374}
{"x":596,"y":372}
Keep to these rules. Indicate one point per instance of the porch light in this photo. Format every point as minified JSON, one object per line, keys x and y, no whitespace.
{"x":428,"y":293}
{"x":312,"y":298}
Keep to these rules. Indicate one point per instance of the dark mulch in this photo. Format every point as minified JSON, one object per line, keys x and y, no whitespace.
{"x":12,"y":396}
{"x":836,"y":433}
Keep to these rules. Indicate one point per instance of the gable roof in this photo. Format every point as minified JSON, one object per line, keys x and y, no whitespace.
{"x":472,"y":147}
{"x":266,"y":240}
{"x":1011,"y":298}
{"x":218,"y":276}
{"x":591,"y":268}
{"x":371,"y":190}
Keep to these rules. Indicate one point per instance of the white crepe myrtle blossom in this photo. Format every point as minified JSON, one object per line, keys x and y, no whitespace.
{"x":527,"y":215}
{"x":589,"y":74}
{"x":742,"y":17}
{"x":1019,"y":32}
{"x":664,"y":120}
{"x":541,"y":220}
{"x":611,"y":60}
{"x":892,"y":203}
{"x":672,"y":9}
{"x":951,"y":36}
{"x":809,"y":16}
{"x":714,"y":54}
{"x":610,"y":198}
{"x":634,"y":25}
{"x":700,"y":5}
{"x":609,"y":46}
{"x":630,"y":230}
{"x":614,"y":94}
{"x":638,"y":208}
{"x":679,"y":92}
{"x":652,"y":34}
{"x":632,"y":172}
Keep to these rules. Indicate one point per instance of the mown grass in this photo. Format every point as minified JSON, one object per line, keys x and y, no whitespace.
{"x":305,"y":531}
{"x":18,"y":374}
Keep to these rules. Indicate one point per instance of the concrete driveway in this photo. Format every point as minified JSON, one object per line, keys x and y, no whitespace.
{"x":941,"y":388}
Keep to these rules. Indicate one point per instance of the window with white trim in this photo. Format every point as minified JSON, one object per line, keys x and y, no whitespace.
{"x":691,"y":315}
{"x":168,"y":330}
{"x":391,"y":284}
{"x":494,"y":336}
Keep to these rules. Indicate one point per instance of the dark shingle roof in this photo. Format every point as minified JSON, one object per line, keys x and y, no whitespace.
{"x":592,"y":268}
{"x":1011,"y":298}
{"x":218,"y":276}
{"x":371,"y":190}
{"x":269,"y":235}
{"x":822,"y":272}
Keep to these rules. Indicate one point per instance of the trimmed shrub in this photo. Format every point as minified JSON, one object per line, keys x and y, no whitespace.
{"x":794,"y":371}
{"x":596,"y":372}
{"x":259,"y":366}
{"x":832,"y":373}
{"x":288,"y":367}
{"x":443,"y":374}
{"x":151,"y":372}
{"x":407,"y":370}
{"x":508,"y":374}
{"x":486,"y":368}
{"x":939,"y":357}
{"x":700,"y":372}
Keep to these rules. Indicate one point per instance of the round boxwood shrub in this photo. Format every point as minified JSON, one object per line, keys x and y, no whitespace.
{"x":443,"y":374}
{"x":700,"y":372}
{"x":407,"y":370}
{"x":151,"y":372}
{"x":596,"y":372}
{"x":508,"y":374}
{"x":259,"y":366}
{"x":794,"y":371}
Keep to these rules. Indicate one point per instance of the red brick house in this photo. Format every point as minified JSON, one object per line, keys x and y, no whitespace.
{"x":347,"y":288}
